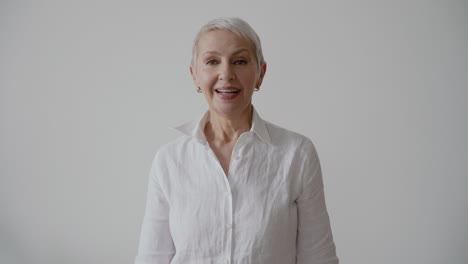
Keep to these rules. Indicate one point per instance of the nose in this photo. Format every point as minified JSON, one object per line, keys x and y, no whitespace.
{"x":226,"y":72}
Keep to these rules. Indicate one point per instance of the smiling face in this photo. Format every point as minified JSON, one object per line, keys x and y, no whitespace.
{"x":226,"y":70}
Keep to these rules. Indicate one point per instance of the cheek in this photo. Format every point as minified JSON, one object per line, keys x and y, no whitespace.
{"x":206,"y":78}
{"x":250,"y":79}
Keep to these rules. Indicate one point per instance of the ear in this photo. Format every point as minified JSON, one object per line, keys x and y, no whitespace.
{"x":263,"y":69}
{"x":194,"y":77}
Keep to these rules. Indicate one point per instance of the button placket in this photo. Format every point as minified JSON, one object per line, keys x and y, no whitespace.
{"x":228,"y":213}
{"x":228,"y":218}
{"x":233,"y":170}
{"x":228,"y":226}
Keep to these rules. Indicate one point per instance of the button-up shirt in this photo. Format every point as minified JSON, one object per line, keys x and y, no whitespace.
{"x":268,"y":209}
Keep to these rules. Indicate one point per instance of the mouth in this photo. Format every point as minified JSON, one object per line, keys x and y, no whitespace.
{"x":227,"y":91}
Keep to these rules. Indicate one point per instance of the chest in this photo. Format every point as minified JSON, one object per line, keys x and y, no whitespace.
{"x":254,"y":204}
{"x":247,"y":166}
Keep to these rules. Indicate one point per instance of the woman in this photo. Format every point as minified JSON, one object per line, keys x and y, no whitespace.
{"x":235,"y":188}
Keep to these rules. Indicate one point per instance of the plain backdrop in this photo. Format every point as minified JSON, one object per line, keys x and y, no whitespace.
{"x":89,"y":90}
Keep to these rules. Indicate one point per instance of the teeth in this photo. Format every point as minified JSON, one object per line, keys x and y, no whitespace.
{"x":226,"y":91}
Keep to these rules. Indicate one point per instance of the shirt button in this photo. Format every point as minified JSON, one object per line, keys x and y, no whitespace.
{"x":229,"y":226}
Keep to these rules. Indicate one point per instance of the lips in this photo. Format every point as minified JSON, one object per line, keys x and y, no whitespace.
{"x":228,"y":90}
{"x":227,"y":93}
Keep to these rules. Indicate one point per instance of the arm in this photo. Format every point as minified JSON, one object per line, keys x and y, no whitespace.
{"x":314,"y":236}
{"x":156,"y":245}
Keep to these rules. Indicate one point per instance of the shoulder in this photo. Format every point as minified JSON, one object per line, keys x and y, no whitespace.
{"x":288,"y":139}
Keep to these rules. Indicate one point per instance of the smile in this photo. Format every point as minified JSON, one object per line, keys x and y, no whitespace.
{"x":227,"y":91}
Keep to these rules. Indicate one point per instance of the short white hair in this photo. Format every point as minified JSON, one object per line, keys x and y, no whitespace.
{"x":235,"y":25}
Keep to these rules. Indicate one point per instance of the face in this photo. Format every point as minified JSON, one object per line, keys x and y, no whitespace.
{"x":226,"y":71}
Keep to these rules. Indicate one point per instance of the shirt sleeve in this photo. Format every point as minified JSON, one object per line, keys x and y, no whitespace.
{"x":315,"y":243}
{"x":156,"y":245}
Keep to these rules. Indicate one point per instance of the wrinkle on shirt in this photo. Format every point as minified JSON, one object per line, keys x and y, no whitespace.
{"x":270,"y":209}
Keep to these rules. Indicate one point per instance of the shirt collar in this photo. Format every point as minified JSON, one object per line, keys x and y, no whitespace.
{"x":195,"y":128}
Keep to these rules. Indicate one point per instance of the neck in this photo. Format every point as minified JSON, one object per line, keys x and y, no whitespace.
{"x":227,"y":129}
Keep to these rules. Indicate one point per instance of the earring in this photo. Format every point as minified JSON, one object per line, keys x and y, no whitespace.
{"x":199,"y":89}
{"x":256,"y":88}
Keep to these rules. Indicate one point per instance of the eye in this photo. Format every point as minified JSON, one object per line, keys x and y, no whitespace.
{"x":240,"y":62}
{"x":211,"y":62}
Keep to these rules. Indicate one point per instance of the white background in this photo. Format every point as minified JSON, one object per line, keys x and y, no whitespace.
{"x":89,"y":89}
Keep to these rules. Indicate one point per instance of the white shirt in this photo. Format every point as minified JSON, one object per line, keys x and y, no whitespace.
{"x":269,"y":209}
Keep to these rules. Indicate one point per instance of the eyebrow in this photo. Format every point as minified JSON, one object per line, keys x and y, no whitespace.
{"x":234,"y":53}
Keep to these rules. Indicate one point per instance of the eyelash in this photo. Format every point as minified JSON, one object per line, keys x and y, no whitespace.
{"x":243,"y":62}
{"x":237,"y":62}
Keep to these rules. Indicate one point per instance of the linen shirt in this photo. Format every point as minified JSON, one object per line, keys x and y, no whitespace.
{"x":268,"y":209}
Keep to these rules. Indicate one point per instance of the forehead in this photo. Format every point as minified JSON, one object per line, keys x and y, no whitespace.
{"x":223,"y":41}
